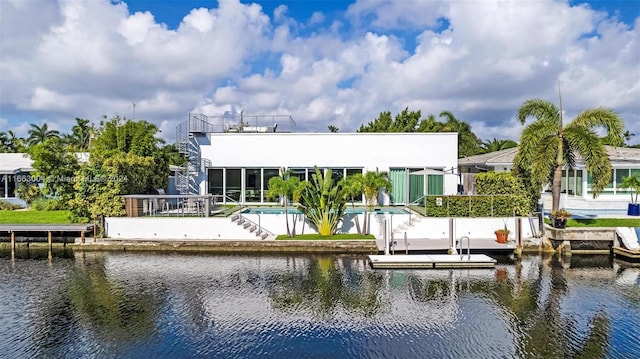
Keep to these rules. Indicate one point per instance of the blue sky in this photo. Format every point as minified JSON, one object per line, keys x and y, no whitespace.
{"x":325,"y":63}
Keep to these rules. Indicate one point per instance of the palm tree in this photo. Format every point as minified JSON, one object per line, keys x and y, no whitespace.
{"x":80,"y":135}
{"x":38,"y":134}
{"x":283,"y":186}
{"x":372,"y":182}
{"x":547,"y":146}
{"x":353,"y":187}
{"x":497,"y":145}
{"x":9,"y":142}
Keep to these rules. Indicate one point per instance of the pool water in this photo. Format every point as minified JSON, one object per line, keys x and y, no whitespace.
{"x":146,"y":305}
{"x":293,"y":210}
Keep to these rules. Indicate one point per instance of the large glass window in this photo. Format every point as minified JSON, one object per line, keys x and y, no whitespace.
{"x":216,"y":181}
{"x":578,"y":182}
{"x":234,"y":183}
{"x":9,"y":183}
{"x":268,"y":174}
{"x":351,"y":172}
{"x":620,"y":174}
{"x":301,"y":173}
{"x":337,"y":174}
{"x":253,"y":184}
{"x":607,"y":189}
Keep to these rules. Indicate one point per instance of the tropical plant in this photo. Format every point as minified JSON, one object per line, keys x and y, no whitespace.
{"x":28,"y":192}
{"x":547,"y":146}
{"x":353,"y":188}
{"x":497,"y":145}
{"x":38,"y":134}
{"x":632,"y":182}
{"x":80,"y":135}
{"x":561,"y":214}
{"x":9,"y":142}
{"x":323,"y":202}
{"x":409,"y":121}
{"x":56,"y":166}
{"x":372,"y":183}
{"x":284,"y":186}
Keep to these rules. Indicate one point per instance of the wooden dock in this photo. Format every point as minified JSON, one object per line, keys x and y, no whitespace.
{"x":431,"y":261}
{"x":49,"y":229}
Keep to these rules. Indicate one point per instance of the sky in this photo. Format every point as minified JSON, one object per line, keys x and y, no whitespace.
{"x":324,"y":62}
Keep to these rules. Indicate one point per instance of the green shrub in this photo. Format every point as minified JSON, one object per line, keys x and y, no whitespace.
{"x":4,"y":205}
{"x":47,"y":204}
{"x":476,"y":206}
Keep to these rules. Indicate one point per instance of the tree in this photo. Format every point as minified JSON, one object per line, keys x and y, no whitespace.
{"x":547,"y":146}
{"x":38,"y":134}
{"x":468,"y":142}
{"x":322,"y":201}
{"x":372,"y":183}
{"x":353,"y":188}
{"x":9,"y":142}
{"x":56,"y":167}
{"x":409,"y":121}
{"x":284,"y":186}
{"x":80,"y":135}
{"x":333,"y":129}
{"x":497,"y":145}
{"x":124,"y":159}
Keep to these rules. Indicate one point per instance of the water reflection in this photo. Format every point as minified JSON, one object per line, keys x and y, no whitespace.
{"x":168,"y":305}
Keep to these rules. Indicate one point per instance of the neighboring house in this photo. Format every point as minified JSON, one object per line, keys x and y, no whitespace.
{"x":237,"y":165}
{"x":15,"y":168}
{"x":576,"y":183}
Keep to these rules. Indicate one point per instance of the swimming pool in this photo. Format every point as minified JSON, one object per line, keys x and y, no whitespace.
{"x":293,"y":210}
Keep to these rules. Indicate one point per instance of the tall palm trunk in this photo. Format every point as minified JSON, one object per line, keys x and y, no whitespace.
{"x":555,"y":187}
{"x":286,"y":215}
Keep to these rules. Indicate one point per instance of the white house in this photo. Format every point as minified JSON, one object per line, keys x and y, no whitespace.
{"x":577,"y":195}
{"x":14,"y":169}
{"x":237,"y":165}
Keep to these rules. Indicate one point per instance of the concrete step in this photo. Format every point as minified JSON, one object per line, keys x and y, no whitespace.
{"x":264,"y":235}
{"x":246,"y":225}
{"x":253,"y":228}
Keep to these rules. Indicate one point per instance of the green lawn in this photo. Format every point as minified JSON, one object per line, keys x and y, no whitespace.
{"x":601,"y":222}
{"x":34,"y":217}
{"x":317,"y":237}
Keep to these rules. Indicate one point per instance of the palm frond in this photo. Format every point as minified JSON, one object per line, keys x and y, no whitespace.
{"x":546,"y":153}
{"x":585,"y":141}
{"x":604,"y":118}
{"x":539,"y":109}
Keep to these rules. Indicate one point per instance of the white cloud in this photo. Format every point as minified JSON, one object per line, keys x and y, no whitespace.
{"x":89,"y":58}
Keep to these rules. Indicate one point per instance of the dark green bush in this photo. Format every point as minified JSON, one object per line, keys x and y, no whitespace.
{"x":476,"y":206}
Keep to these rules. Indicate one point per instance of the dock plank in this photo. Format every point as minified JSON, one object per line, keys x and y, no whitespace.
{"x":431,"y":261}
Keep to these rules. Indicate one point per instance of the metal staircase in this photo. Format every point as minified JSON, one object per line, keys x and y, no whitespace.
{"x":190,"y":132}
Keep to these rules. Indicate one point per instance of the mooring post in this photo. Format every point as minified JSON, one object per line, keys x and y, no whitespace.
{"x":519,"y":236}
{"x":13,"y":240}
{"x":49,"y":240}
{"x":82,"y":236}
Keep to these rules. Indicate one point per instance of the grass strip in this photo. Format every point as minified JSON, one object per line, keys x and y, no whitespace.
{"x":335,"y":237}
{"x":35,"y":217}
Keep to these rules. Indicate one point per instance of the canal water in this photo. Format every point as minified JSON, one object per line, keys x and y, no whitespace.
{"x":157,"y":305}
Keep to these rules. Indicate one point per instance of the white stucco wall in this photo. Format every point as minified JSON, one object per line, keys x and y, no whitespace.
{"x":370,"y":151}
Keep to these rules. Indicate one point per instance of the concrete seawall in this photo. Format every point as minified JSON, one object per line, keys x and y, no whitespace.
{"x":244,"y":246}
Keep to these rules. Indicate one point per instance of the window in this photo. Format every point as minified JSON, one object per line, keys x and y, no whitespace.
{"x":234,"y":183}
{"x":253,"y":184}
{"x":268,"y":174}
{"x":351,"y":172}
{"x":216,"y":181}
